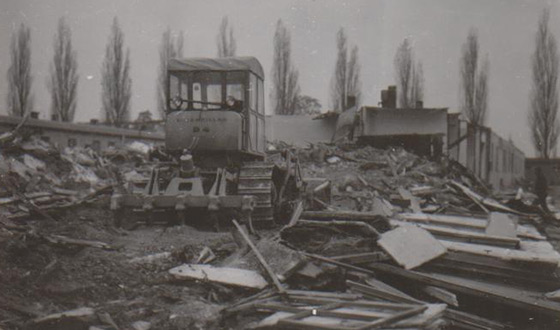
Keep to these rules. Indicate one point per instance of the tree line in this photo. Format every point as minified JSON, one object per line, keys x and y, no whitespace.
{"x":286,"y":95}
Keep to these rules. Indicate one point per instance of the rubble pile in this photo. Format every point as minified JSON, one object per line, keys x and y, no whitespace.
{"x":406,"y":243}
{"x":38,"y":177}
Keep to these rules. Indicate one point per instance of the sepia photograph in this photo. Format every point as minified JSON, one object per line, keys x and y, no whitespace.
{"x":279,"y":164}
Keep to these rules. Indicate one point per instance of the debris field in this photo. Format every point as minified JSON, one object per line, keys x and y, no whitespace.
{"x":404,"y":243}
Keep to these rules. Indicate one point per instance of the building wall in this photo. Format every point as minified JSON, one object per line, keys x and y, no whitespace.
{"x":300,"y":130}
{"x":386,"y":121}
{"x":495,"y":160}
{"x":453,"y":135}
{"x":68,"y":134}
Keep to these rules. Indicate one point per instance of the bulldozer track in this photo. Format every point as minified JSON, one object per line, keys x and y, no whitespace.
{"x":256,"y":179}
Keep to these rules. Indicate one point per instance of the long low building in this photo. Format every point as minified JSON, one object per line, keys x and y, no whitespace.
{"x":96,"y":136}
{"x":494,"y":159}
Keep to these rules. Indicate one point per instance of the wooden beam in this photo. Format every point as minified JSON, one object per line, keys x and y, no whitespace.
{"x":263,"y":262}
{"x":465,"y":236}
{"x":498,"y":294}
{"x":394,"y":318}
{"x":504,"y":254}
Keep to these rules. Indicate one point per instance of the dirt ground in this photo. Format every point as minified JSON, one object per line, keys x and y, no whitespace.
{"x":38,"y":278}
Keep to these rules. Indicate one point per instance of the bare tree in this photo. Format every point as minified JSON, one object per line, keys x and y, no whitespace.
{"x":417,"y":88}
{"x":170,"y":47}
{"x":19,"y":98}
{"x":116,"y":84}
{"x":346,"y":80}
{"x":339,"y":82}
{"x":353,"y":81}
{"x":544,"y":93}
{"x":286,"y":90}
{"x":63,"y":80}
{"x":409,"y":76}
{"x":474,"y":85}
{"x":225,"y":40}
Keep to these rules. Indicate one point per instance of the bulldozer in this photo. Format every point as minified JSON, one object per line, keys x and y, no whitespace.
{"x":215,"y":163}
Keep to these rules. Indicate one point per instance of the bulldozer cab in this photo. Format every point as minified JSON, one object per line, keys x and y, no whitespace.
{"x":216,"y":105}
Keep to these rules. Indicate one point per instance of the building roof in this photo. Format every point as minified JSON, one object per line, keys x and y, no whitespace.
{"x":217,"y":64}
{"x":405,"y":111}
{"x":82,"y":128}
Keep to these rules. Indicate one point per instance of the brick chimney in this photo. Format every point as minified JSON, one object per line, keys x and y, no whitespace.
{"x":389,"y":97}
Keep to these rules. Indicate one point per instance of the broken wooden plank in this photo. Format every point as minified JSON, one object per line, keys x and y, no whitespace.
{"x":282,"y":260}
{"x":554,"y":295}
{"x":464,"y":235}
{"x":322,"y":186}
{"x":310,"y":270}
{"x":249,"y":302}
{"x":500,"y":294}
{"x":224,"y":275}
{"x":539,"y":260}
{"x":59,"y":239}
{"x":463,"y":320}
{"x":263,"y":262}
{"x":414,"y":203}
{"x":500,"y":224}
{"x":458,"y":222}
{"x":323,"y":294}
{"x":492,"y":268}
{"x":394,"y":318}
{"x":80,"y":313}
{"x":487,"y":202}
{"x":442,"y":295}
{"x":297,"y":214}
{"x":347,"y":317}
{"x":341,"y":215}
{"x":151,"y":258}
{"x":366,"y":227}
{"x":411,"y":246}
{"x":339,"y":263}
{"x":453,"y":221}
{"x":383,"y":291}
{"x":362,"y":258}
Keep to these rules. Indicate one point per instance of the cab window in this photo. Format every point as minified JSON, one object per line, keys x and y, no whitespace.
{"x":207,"y":88}
{"x":261,"y":97}
{"x":178,"y":87}
{"x":235,"y":85}
{"x":253,"y":92}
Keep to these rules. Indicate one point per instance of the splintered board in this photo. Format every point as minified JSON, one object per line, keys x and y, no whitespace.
{"x":500,"y":224}
{"x":224,"y":275}
{"x":411,"y":246}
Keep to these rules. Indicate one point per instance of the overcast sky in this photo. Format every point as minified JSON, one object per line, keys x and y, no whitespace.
{"x":437,"y":29}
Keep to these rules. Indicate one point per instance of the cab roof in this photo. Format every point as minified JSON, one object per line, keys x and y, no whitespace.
{"x":217,"y":64}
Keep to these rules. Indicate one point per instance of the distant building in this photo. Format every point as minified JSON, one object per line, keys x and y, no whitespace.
{"x":494,"y":159}
{"x":425,"y":131}
{"x":71,"y":135}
